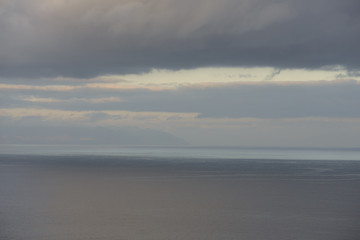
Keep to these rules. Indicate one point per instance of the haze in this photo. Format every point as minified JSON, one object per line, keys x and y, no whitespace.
{"x":232,"y":73}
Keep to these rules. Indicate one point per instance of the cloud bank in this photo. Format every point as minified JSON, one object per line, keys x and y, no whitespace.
{"x":90,"y":38}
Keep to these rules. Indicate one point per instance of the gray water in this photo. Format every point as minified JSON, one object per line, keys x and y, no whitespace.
{"x":129,"y":196}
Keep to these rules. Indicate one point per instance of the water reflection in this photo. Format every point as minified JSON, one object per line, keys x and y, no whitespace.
{"x":112,"y":198}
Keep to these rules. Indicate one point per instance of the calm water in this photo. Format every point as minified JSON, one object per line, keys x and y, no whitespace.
{"x":154,"y":193}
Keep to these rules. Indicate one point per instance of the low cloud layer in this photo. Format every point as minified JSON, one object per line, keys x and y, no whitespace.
{"x":263,"y":100}
{"x":89,"y":38}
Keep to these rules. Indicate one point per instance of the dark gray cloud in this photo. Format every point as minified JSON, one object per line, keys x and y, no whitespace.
{"x":88,"y":38}
{"x":261,"y":101}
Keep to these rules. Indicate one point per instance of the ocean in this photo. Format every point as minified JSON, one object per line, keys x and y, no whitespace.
{"x":114,"y":193}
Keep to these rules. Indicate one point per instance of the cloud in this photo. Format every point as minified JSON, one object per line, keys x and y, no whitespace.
{"x":333,"y":99}
{"x":88,"y":38}
{"x":273,"y":74}
{"x":81,"y":100}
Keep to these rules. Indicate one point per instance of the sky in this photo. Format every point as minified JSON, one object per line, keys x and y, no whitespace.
{"x":252,"y":73}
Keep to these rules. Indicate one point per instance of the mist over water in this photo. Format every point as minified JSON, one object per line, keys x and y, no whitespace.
{"x":185,"y":152}
{"x":109,"y":196}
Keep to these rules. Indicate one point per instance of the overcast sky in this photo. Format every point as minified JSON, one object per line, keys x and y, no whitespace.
{"x":204,"y":72}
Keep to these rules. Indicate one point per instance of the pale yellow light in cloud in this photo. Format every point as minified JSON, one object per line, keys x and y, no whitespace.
{"x":44,"y":88}
{"x":101,"y":100}
{"x":173,"y":78}
{"x":73,"y":100}
{"x":121,"y":86}
{"x":200,"y":75}
{"x":234,"y":74}
{"x":300,"y":75}
{"x":42,"y":100}
{"x":159,"y":80}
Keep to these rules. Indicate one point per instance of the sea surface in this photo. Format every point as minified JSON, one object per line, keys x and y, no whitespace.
{"x":212,"y":193}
